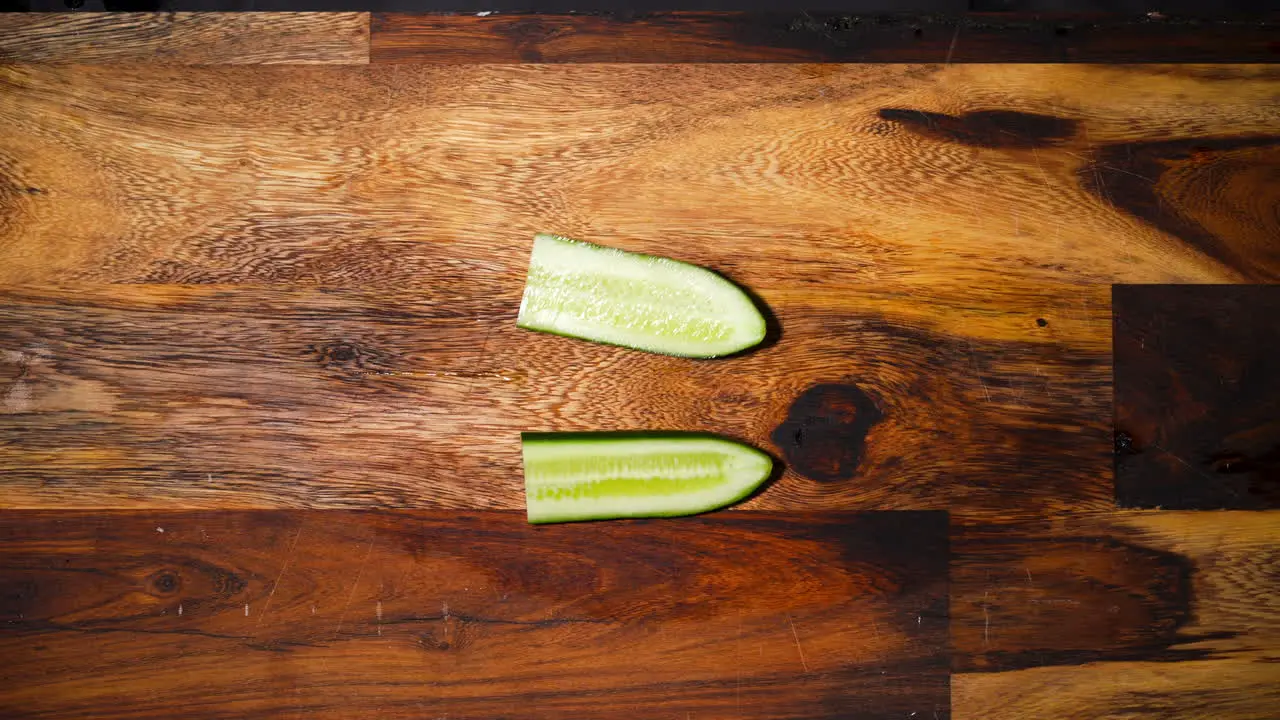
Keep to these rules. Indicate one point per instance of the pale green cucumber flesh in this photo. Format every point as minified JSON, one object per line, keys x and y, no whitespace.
{"x":602,"y":476}
{"x":645,"y":302}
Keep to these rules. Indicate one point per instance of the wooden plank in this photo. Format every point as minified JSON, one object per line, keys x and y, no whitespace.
{"x":475,"y":615}
{"x":937,"y":241}
{"x":912,"y":179}
{"x":214,"y":396}
{"x":715,"y":37}
{"x":1126,"y":614}
{"x":1197,"y":395}
{"x":186,"y":38}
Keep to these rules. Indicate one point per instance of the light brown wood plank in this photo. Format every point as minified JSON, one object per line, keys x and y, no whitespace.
{"x":967,"y":183}
{"x":472,"y":615}
{"x":1127,"y":614}
{"x":186,"y":38}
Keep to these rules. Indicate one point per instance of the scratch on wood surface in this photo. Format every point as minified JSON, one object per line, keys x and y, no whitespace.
{"x":351,"y":595}
{"x":1112,"y":168}
{"x":288,"y":559}
{"x":977,"y":371}
{"x":986,"y":621}
{"x":952,"y":49}
{"x":737,"y":651}
{"x":1044,"y":175}
{"x":799,"y":649}
{"x":484,"y":349}
{"x":1191,"y":467}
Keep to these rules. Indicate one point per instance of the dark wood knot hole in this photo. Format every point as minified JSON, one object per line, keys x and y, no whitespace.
{"x":164,"y":582}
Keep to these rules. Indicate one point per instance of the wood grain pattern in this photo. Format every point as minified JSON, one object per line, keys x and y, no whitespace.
{"x":924,"y":262}
{"x":292,"y":287}
{"x":473,"y":615}
{"x":179,"y":396}
{"x":715,"y":37}
{"x":1197,"y":396}
{"x":186,"y":38}
{"x":380,"y":175}
{"x":1125,"y":614}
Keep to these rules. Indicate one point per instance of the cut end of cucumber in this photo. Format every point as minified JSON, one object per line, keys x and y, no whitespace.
{"x":606,"y":295}
{"x":603,"y":476}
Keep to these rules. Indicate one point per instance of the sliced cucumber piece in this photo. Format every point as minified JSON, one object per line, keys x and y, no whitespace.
{"x":644,"y":302}
{"x":602,"y":476}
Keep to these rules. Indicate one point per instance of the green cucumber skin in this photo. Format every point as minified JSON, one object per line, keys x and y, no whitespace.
{"x":586,"y":439}
{"x":742,"y":296}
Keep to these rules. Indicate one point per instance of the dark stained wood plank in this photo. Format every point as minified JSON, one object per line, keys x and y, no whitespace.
{"x":1197,"y":413}
{"x":216,"y":396}
{"x":1121,"y":614}
{"x":473,"y":615}
{"x":185,"y":38}
{"x":819,"y":37}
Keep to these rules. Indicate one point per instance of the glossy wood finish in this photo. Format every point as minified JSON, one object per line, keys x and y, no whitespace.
{"x":711,"y":37}
{"x":209,"y":397}
{"x":1142,"y":614}
{"x":474,"y":615}
{"x":661,"y":37}
{"x":186,"y":38}
{"x":294,"y":289}
{"x":376,"y":223}
{"x":1197,"y":396}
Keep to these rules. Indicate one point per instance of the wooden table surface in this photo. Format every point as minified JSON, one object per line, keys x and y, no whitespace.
{"x":261,"y":388}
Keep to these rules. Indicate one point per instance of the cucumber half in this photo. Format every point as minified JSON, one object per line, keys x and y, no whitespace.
{"x":603,"y":476}
{"x":644,"y":302}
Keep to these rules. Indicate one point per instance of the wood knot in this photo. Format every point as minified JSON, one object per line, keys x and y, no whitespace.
{"x":1125,"y":444}
{"x":985,"y":128}
{"x":341,"y":354}
{"x":825,"y":431}
{"x":164,"y":582}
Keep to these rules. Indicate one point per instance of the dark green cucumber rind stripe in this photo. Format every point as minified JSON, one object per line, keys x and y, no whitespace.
{"x":585,"y":436}
{"x":605,"y":249}
{"x":589,"y":437}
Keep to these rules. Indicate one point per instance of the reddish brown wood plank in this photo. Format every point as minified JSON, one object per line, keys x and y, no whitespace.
{"x":473,"y":615}
{"x":816,"y":37}
{"x":1121,"y":614}
{"x":186,"y":38}
{"x":1197,"y":395}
